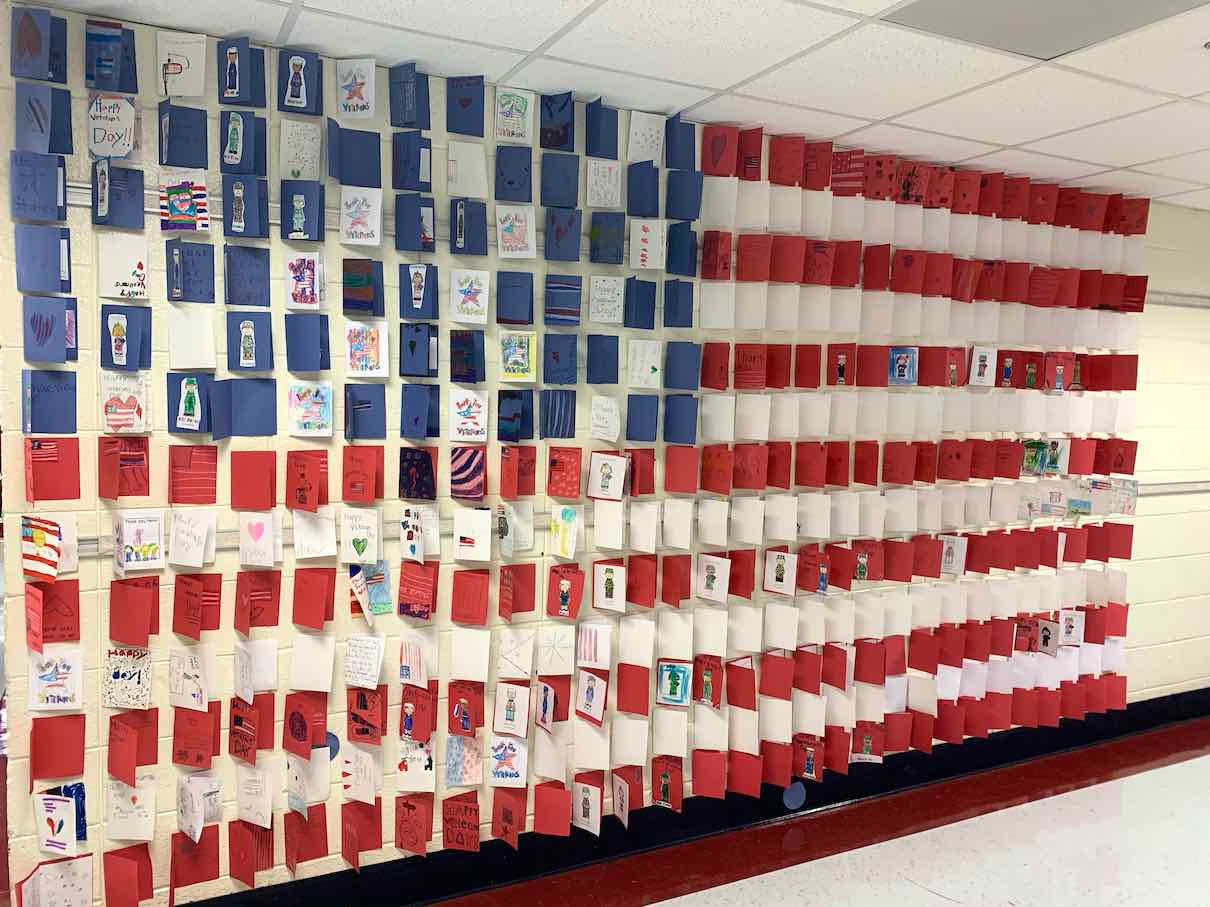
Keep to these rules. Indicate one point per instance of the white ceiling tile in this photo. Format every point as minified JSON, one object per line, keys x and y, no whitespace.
{"x":877,"y":71}
{"x":1194,"y":167}
{"x":777,"y":119}
{"x":619,"y":89}
{"x":715,"y":45}
{"x":1166,"y":56}
{"x":941,"y":149}
{"x":1176,"y":128}
{"x":1031,"y":105}
{"x":518,"y":23}
{"x":1198,"y":199}
{"x":338,"y":37}
{"x":1134,"y":183}
{"x":1015,"y":162}
{"x":258,"y":20}
{"x":864,"y":7}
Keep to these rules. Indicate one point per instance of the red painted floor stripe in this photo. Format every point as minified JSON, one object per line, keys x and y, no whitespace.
{"x":706,"y":863}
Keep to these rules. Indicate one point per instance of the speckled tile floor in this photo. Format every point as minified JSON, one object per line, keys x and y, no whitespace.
{"x":1137,"y":841}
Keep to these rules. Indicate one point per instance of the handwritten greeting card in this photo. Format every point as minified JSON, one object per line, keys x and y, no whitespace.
{"x":468,"y":291}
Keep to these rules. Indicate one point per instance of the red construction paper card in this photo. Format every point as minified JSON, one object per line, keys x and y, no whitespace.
{"x":564,"y":591}
{"x":912,"y":182}
{"x":880,"y":176}
{"x":907,"y":271}
{"x":194,"y":863}
{"x":990,"y":284}
{"x":787,"y":155}
{"x":518,"y":583}
{"x":954,"y":460}
{"x":807,"y":361}
{"x":250,"y":850}
{"x":787,"y":258}
{"x":836,"y":743}
{"x":640,"y":579}
{"x":716,"y":365}
{"x":413,"y":822}
{"x":709,"y":774}
{"x":366,"y":713}
{"x":552,"y":809}
{"x":128,"y":877}
{"x":123,"y":467}
{"x":926,"y":461}
{"x":842,"y":565}
{"x":716,"y":255}
{"x":1134,"y":214}
{"x":418,"y":713}
{"x":744,"y":772}
{"x":964,"y":279}
{"x":846,"y":263}
{"x":720,"y":150}
{"x":192,"y":738}
{"x":634,"y":685}
{"x":776,"y":675}
{"x":563,"y":472}
{"x":751,"y":146}
{"x":842,"y":364}
{"x":465,"y":711}
{"x":991,"y":194}
{"x":872,"y":365}
{"x":518,"y":471}
{"x":865,"y":462}
{"x":808,"y":756}
{"x":362,"y":473}
{"x":257,"y":599}
{"x":717,"y":468}
{"x":418,"y":588}
{"x":938,"y":277}
{"x":898,"y":463}
{"x":898,"y":558}
{"x":360,"y":829}
{"x":314,"y":596}
{"x":469,"y":597}
{"x":1014,"y":203}
{"x":753,"y":257}
{"x":303,"y":482}
{"x":642,"y":470}
{"x":810,"y":464}
{"x":742,"y":580}
{"x":52,"y":469}
{"x":780,"y":464}
{"x":741,"y":682}
{"x":750,"y":366}
{"x":460,"y":821}
{"x":192,"y":473}
{"x":876,"y":268}
{"x":1016,"y":281}
{"x":509,"y":805}
{"x":819,"y":262}
{"x":667,"y":782}
{"x":243,"y":735}
{"x":817,"y":166}
{"x":751,"y":466}
{"x":253,"y":479}
{"x":306,"y":837}
{"x":777,"y":365}
{"x":922,"y":731}
{"x":966,"y":192}
{"x":1043,"y":203}
{"x":134,"y":609}
{"x":681,"y":465}
{"x":305,"y":722}
{"x":675,"y":579}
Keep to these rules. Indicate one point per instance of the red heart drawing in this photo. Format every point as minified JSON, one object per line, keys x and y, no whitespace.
{"x":256,"y":530}
{"x":465,"y":102}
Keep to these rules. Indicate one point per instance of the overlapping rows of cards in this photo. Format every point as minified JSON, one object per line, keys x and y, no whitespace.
{"x":680,"y":562}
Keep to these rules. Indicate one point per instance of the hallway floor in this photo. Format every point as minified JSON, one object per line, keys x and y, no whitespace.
{"x":1135,"y":841}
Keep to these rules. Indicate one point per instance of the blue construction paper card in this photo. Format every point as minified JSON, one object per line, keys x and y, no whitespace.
{"x":560,"y":180}
{"x":642,"y":189}
{"x":245,"y":207}
{"x":183,"y":136}
{"x":300,"y":82}
{"x":38,"y":45}
{"x":601,"y":130}
{"x":679,"y":144}
{"x":514,"y":297}
{"x":243,"y":408}
{"x":43,"y":119}
{"x":418,"y":291}
{"x":558,"y":414}
{"x":246,"y":274}
{"x":514,"y":173}
{"x":354,"y":156}
{"x":303,"y":202}
{"x":411,"y":161}
{"x":43,"y":258}
{"x":602,"y":359}
{"x":561,"y":306}
{"x":515,"y":415}
{"x":468,"y":227}
{"x":680,"y":419}
{"x":417,"y":350}
{"x":44,"y":327}
{"x":682,"y":365}
{"x":607,"y":238}
{"x":681,"y":258}
{"x":559,"y":358}
{"x":365,"y":411}
{"x":415,"y":223}
{"x":307,"y":345}
{"x":421,"y":412}
{"x":678,"y":303}
{"x":684,"y":195}
{"x":241,"y":73}
{"x":117,"y":196}
{"x":243,"y":143}
{"x":642,"y":415}
{"x":37,"y":186}
{"x":189,"y":402}
{"x":409,"y":97}
{"x":562,"y":239}
{"x":249,"y":342}
{"x":125,"y":337}
{"x":189,"y":267}
{"x":110,"y":63}
{"x":464,"y":105}
{"x":417,"y":479}
{"x":467,"y":363}
{"x":557,"y":121}
{"x":362,"y":291}
{"x":48,"y":402}
{"x":638,"y":310}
